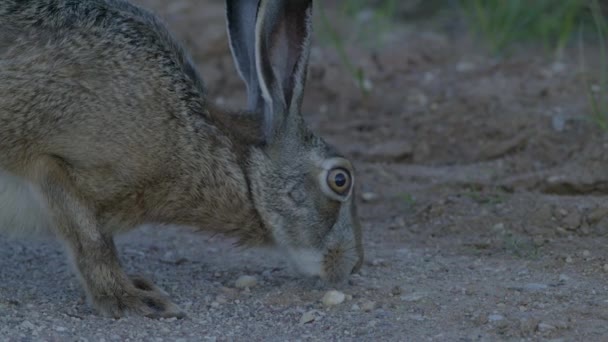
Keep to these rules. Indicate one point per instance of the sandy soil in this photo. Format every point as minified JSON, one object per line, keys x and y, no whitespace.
{"x":483,"y":191}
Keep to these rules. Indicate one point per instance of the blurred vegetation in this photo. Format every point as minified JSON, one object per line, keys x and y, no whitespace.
{"x":502,"y":25}
{"x":598,"y":93}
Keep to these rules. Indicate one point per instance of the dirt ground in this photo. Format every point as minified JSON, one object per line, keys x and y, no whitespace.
{"x":483,"y":191}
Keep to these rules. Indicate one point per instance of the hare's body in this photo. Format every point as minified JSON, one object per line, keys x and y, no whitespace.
{"x":104,"y":126}
{"x":87,"y":107}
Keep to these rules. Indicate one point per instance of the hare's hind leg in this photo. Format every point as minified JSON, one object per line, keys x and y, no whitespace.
{"x":94,"y":255}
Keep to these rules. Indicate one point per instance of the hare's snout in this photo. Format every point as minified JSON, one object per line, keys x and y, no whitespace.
{"x":339,"y":262}
{"x":333,"y":265}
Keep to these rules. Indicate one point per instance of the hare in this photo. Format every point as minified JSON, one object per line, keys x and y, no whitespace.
{"x":105,"y":126}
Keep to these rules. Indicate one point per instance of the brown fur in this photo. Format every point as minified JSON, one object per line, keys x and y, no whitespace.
{"x":105,"y":116}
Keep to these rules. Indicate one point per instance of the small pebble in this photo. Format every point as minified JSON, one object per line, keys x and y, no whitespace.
{"x":413,"y":297}
{"x":27,"y":325}
{"x":499,"y":227}
{"x":605,"y":267}
{"x":535,"y":287}
{"x":60,"y":329}
{"x":563,"y":278}
{"x":569,"y":259}
{"x":378,"y":262}
{"x":369,"y":196}
{"x":332,"y":298}
{"x":221,"y":299}
{"x":465,"y":66}
{"x":495,"y":318}
{"x":544,"y":327}
{"x":245,"y":281}
{"x":308,"y":317}
{"x":586,"y":253}
{"x":368,"y":306}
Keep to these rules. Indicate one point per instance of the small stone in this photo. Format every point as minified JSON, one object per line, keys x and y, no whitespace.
{"x":465,"y":66}
{"x":558,"y":122}
{"x":558,"y":67}
{"x":563,"y":278}
{"x":396,"y":291}
{"x":535,"y":287}
{"x":413,"y":297}
{"x":369,"y":196}
{"x":355,"y":307}
{"x":586,"y":253}
{"x":572,"y":221}
{"x":416,"y":317}
{"x":605,"y":267}
{"x":221,"y":299}
{"x":308,"y":317}
{"x":60,"y":329}
{"x":245,"y":281}
{"x":368,"y":306}
{"x":569,"y":259}
{"x":544,"y":327}
{"x":495,"y":318}
{"x":27,"y":325}
{"x":215,"y":304}
{"x":378,"y":262}
{"x":332,"y":298}
{"x":230,"y":293}
{"x":499,"y":227}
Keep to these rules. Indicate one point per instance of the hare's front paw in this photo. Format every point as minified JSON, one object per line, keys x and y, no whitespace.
{"x":142,"y":298}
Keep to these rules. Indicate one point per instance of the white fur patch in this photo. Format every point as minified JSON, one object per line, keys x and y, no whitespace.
{"x":308,"y":261}
{"x":21,"y":209}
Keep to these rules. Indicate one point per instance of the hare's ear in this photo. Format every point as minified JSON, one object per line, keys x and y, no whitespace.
{"x":241,"y":17}
{"x":282,"y":45}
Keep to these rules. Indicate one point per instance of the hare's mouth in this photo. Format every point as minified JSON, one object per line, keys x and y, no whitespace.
{"x":307,"y":261}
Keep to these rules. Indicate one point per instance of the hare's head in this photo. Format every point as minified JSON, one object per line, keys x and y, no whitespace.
{"x":302,"y":188}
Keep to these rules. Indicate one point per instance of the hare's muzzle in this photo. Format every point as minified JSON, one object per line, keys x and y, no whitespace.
{"x":343,"y":252}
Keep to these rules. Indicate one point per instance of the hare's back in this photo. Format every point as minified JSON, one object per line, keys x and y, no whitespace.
{"x":93,"y":82}
{"x":121,"y":29}
{"x":87,"y":69}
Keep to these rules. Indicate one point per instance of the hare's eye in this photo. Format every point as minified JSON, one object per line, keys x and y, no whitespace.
{"x":339,"y":181}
